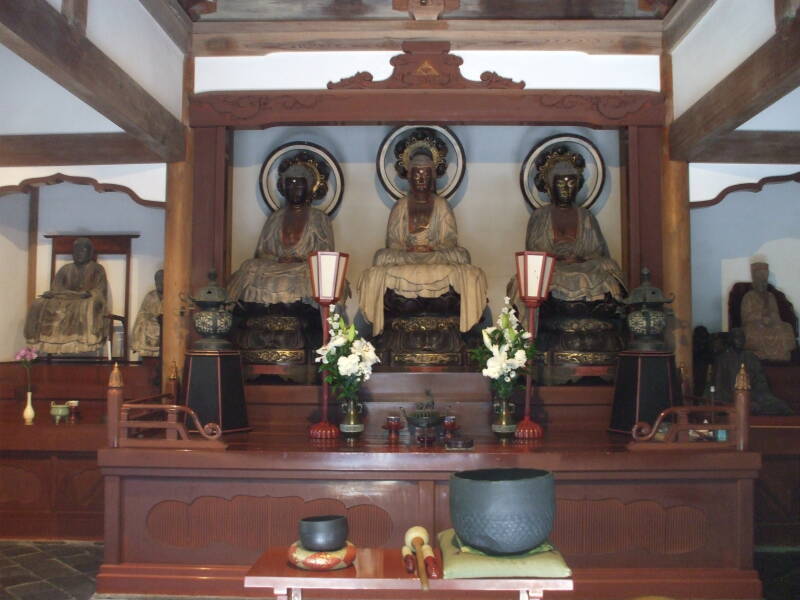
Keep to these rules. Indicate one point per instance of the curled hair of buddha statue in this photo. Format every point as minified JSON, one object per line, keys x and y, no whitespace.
{"x":306,"y":166}
{"x":421,"y":140}
{"x":558,"y":161}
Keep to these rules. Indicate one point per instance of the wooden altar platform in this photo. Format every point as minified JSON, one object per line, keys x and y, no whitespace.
{"x":193,"y":522}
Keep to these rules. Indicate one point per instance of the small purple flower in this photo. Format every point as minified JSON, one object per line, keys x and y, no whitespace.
{"x":26,"y":354}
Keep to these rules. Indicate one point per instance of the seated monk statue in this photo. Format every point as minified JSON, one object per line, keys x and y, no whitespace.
{"x":587,"y":284}
{"x":422,"y":265}
{"x":70,"y":317}
{"x":765,"y":333}
{"x":146,"y":336}
{"x":726,"y":366}
{"x":273,"y":288}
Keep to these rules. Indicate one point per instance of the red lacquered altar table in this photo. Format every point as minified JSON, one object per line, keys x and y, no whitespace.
{"x":379,"y":569}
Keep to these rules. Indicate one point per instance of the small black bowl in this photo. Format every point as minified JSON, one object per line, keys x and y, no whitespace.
{"x":323,"y":533}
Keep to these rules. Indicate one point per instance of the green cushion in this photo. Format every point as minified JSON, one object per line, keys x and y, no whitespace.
{"x":472,"y":565}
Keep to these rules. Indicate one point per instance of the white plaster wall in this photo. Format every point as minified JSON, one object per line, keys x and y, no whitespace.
{"x":725,"y":238}
{"x":706,"y":180}
{"x":128,"y":35}
{"x":783,"y":115}
{"x":489,"y":207}
{"x":539,"y":70}
{"x":727,"y":34}
{"x":68,"y":208}
{"x":40,"y":105}
{"x":149,"y":181}
{"x":13,"y":272}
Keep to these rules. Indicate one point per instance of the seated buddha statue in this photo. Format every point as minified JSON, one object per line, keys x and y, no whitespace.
{"x":726,"y":366}
{"x":769,"y":337}
{"x":579,"y":319}
{"x":273,"y":289}
{"x":70,"y":318}
{"x":422,"y":273}
{"x":146,"y":334}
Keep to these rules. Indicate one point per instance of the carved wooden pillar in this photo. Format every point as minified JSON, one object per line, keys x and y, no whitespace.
{"x":676,"y":235}
{"x":177,"y":249}
{"x":210,"y":205}
{"x":642,"y":211}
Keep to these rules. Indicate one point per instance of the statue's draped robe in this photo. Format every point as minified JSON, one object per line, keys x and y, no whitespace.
{"x":589,"y":280}
{"x":726,"y":367}
{"x":68,"y":323}
{"x":265,"y":280}
{"x":773,"y":341}
{"x":146,"y":335}
{"x":423,"y":274}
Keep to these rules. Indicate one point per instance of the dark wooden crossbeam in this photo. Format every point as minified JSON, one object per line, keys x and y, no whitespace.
{"x":746,"y":147}
{"x":42,"y":36}
{"x":766,"y":76}
{"x":74,"y":149}
{"x":172,"y":18}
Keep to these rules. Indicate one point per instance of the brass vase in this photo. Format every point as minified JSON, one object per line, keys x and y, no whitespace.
{"x":504,"y":424}
{"x":351,"y":425}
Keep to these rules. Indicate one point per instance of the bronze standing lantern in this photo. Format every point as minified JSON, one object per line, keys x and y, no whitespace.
{"x":534,"y":274}
{"x":328,"y":270}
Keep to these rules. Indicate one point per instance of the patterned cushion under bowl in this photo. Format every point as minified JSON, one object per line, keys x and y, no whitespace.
{"x":313,"y":560}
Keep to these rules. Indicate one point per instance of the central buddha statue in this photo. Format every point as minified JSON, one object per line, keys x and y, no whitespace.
{"x":579,"y":322}
{"x":276,"y":314}
{"x":422,"y":282}
{"x":70,"y":318}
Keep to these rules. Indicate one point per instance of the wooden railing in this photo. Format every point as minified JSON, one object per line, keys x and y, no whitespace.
{"x":157,"y":413}
{"x":675,"y":429}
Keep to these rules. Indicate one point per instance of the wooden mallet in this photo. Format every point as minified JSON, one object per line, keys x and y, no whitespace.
{"x":416,"y":537}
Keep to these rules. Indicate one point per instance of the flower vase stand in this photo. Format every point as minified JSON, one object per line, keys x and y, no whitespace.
{"x":382,"y":569}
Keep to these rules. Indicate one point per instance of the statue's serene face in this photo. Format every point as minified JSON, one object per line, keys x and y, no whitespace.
{"x":296,"y":190}
{"x":760,"y":278}
{"x":565,"y":188}
{"x":81,"y":253}
{"x":421,"y":178}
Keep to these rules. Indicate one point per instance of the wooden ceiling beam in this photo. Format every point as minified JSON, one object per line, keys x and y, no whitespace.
{"x":76,"y":12}
{"x":681,"y":18}
{"x":752,"y":147}
{"x":171,"y":17}
{"x":41,"y":35}
{"x":763,"y":78}
{"x":73,"y":149}
{"x":251,"y":38}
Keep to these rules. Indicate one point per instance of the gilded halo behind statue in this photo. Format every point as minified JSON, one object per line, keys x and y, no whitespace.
{"x":326,"y":184}
{"x":402,"y":143}
{"x":594,"y":171}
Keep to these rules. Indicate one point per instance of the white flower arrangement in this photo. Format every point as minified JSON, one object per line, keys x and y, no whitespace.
{"x":346,"y":360}
{"x":506,"y":349}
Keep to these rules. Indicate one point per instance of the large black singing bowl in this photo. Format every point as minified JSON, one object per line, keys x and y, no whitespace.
{"x":502,"y":511}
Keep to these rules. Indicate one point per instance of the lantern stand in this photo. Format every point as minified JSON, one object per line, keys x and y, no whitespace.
{"x":534,"y":273}
{"x":327,"y":271}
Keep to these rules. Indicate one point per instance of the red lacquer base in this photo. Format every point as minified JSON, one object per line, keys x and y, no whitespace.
{"x":527,"y":429}
{"x":323,"y":430}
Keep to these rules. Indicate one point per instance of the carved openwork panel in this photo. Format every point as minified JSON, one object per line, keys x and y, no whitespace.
{"x":79,"y":486}
{"x":426,"y":65}
{"x":612,"y":526}
{"x":258,"y":523}
{"x":22,"y":487}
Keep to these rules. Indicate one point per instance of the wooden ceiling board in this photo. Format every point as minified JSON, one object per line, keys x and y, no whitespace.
{"x":313,"y":10}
